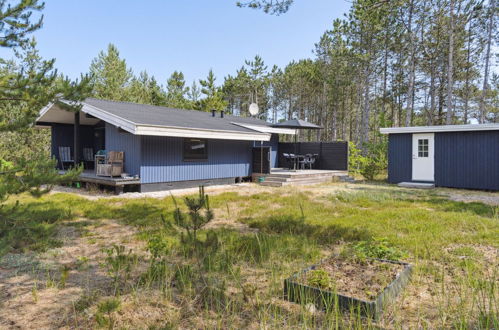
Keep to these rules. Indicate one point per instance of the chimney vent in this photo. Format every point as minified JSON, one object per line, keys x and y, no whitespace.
{"x":213,"y":112}
{"x":221,"y":113}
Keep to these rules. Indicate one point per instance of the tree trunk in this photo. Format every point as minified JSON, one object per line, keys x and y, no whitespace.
{"x":410,"y":91}
{"x":450,"y":66}
{"x":483,"y":110}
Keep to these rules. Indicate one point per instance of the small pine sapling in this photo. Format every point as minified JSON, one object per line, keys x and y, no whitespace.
{"x":195,"y":219}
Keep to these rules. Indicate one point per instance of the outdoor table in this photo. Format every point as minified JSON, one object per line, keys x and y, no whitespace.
{"x":296,"y":159}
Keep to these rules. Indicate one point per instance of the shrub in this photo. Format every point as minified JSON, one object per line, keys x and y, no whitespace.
{"x":376,"y":160}
{"x":369,"y":162}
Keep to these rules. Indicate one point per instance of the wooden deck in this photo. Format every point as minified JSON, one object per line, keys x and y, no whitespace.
{"x":279,"y":177}
{"x":91,"y":177}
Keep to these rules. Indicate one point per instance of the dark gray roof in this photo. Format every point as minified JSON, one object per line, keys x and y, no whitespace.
{"x":143,"y":114}
{"x":296,"y":124}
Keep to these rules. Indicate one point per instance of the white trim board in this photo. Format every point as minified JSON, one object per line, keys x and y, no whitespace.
{"x":437,"y":129}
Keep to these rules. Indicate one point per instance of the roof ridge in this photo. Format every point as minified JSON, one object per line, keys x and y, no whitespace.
{"x":146,"y":104}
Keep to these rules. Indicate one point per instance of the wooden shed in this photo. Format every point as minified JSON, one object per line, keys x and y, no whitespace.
{"x":457,"y":156}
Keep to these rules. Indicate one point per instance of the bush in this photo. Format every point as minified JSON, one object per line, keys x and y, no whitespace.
{"x":370,"y":162}
{"x":376,"y":160}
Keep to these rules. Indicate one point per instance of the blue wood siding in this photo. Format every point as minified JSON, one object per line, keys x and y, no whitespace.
{"x":117,"y":140}
{"x":63,"y":136}
{"x":274,"y":149}
{"x":162,"y":160}
{"x":467,"y":160}
{"x":399,"y":158}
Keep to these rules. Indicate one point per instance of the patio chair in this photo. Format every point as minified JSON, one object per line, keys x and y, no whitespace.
{"x":289,"y":160}
{"x":311,"y":160}
{"x":65,"y":156}
{"x":113,"y":165}
{"x":88,"y":156}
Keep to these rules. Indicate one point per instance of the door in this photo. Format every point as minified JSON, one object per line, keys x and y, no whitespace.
{"x":261,"y":160}
{"x":423,"y":160}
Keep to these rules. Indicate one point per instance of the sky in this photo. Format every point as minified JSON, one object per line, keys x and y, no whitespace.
{"x":192,"y":36}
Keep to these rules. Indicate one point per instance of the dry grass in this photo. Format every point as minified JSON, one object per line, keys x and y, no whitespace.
{"x":59,"y":281}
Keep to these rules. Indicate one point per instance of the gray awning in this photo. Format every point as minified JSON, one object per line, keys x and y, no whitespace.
{"x":297,"y":124}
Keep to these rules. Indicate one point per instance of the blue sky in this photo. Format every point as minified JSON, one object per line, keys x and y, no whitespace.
{"x":188,"y":35}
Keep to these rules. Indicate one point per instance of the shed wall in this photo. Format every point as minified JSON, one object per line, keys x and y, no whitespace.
{"x":467,"y":160}
{"x":117,"y":140}
{"x":399,"y":158}
{"x":162,"y":160}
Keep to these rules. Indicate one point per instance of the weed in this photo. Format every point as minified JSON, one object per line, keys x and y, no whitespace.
{"x":86,"y":300}
{"x":378,"y":248}
{"x":119,"y":265}
{"x":64,"y":277}
{"x":319,"y":278}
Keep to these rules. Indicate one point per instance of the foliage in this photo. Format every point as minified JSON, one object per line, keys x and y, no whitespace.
{"x":319,"y":278}
{"x":375,"y":161}
{"x":110,"y":75}
{"x":194,"y":219}
{"x":274,"y":7}
{"x":119,"y":265}
{"x":213,"y":99}
{"x":105,"y":310}
{"x":378,"y":248}
{"x":177,"y":93}
{"x":27,"y":84}
{"x":356,"y":161}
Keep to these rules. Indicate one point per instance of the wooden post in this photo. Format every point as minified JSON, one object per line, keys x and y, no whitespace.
{"x":76,"y":146}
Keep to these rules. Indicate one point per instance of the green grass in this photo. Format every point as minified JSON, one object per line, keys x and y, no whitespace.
{"x":293,"y":230}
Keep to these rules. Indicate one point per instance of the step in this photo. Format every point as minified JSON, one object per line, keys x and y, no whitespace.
{"x":294,"y":182}
{"x":418,"y":185}
{"x":297,"y":177}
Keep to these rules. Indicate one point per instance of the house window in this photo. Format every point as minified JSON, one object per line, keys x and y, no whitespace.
{"x":423,"y":148}
{"x":195,"y":149}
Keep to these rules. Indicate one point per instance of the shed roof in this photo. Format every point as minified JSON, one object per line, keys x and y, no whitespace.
{"x":437,"y":129}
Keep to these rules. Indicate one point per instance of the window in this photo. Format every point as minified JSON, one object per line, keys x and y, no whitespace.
{"x":195,"y":149}
{"x":423,"y":148}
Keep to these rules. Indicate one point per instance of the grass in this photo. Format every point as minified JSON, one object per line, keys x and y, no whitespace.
{"x":234,"y":278}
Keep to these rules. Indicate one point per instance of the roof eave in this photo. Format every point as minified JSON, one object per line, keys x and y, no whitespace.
{"x":437,"y":129}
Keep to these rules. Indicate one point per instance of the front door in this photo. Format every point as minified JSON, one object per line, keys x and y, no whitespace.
{"x":261,"y":160}
{"x":423,"y":146}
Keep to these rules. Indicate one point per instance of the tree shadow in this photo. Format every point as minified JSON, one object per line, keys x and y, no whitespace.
{"x":323,"y":234}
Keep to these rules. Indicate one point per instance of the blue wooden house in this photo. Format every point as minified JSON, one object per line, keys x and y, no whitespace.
{"x":457,"y":156}
{"x":164,"y":148}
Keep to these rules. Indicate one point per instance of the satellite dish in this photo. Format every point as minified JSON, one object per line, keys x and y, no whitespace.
{"x":253,"y":109}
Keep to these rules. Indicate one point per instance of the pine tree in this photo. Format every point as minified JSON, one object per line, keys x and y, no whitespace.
{"x":26,"y":86}
{"x":177,"y":92}
{"x":110,"y":75}
{"x":213,"y":99}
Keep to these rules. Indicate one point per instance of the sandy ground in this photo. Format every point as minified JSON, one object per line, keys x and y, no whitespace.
{"x":461,"y":195}
{"x":32,"y":294}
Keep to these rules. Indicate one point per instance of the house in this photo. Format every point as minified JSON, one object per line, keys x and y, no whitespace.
{"x":164,"y":148}
{"x":457,"y":156}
